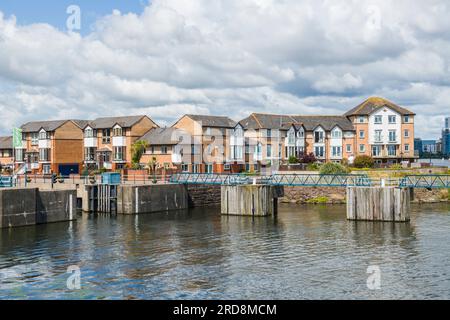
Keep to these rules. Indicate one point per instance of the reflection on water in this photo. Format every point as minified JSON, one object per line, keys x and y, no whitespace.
{"x":306,"y":252}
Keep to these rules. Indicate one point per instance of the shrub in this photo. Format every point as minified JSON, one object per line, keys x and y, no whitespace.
{"x":396,"y":166}
{"x":308,"y":158}
{"x":363,"y":162}
{"x":293,"y":159}
{"x":333,"y":168}
{"x":313,"y":166}
{"x":318,"y":200}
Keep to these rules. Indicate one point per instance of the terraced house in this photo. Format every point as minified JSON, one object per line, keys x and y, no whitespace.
{"x":205,"y":144}
{"x":162,"y":147}
{"x":51,"y":147}
{"x":6,"y":152}
{"x":108,"y":141}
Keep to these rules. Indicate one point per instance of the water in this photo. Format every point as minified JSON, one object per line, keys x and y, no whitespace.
{"x":308,"y":252}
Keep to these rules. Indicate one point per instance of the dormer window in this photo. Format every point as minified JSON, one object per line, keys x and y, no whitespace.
{"x":117,"y":131}
{"x":361,"y":119}
{"x":336,"y":133}
{"x":300,"y":134}
{"x":44,"y":135}
{"x":88,"y":133}
{"x":238,"y":132}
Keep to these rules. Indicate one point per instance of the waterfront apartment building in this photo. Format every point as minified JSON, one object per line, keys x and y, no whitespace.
{"x":51,"y":147}
{"x":6,"y":152}
{"x":384,"y":130}
{"x":107,"y":142}
{"x":205,"y":144}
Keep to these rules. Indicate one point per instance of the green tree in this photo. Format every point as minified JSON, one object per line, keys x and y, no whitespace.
{"x":153,"y":165}
{"x":333,"y":168}
{"x":138,"y":149}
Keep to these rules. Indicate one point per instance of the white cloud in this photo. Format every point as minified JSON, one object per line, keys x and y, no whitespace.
{"x":231,"y":57}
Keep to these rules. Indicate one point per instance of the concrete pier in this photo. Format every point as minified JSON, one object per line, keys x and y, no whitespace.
{"x":378,"y":204}
{"x":30,"y":206}
{"x":250,"y":200}
{"x":151,"y":198}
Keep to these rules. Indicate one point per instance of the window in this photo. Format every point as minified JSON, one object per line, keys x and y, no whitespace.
{"x":164,"y":149}
{"x":362,"y":148}
{"x":406,"y":133}
{"x":238,"y":132}
{"x":236,"y":152}
{"x":184,"y":168}
{"x":192,"y":148}
{"x":89,"y":154}
{"x":376,"y":151}
{"x":336,"y":133}
{"x":392,"y":150}
{"x":46,"y":168}
{"x":392,"y":119}
{"x":378,"y":136}
{"x":349,"y":148}
{"x":44,"y":154}
{"x":319,"y":152}
{"x":336,"y":151}
{"x":88,"y":133}
{"x":44,"y":135}
{"x":226,"y":167}
{"x":209,"y":168}
{"x":300,"y":133}
{"x":196,"y":168}
{"x":361,"y":119}
{"x":280,"y":149}
{"x":19,"y":155}
{"x":392,"y":136}
{"x":406,"y":147}
{"x":259,"y":148}
{"x":378,"y":119}
{"x":34,"y":138}
{"x":117,"y":132}
{"x":119,"y":153}
{"x":247,"y":148}
{"x":106,"y":136}
{"x":269,"y":133}
{"x":361,"y":134}
{"x":318,"y":137}
{"x":406,"y":118}
{"x":291,"y":137}
{"x":269,"y":150}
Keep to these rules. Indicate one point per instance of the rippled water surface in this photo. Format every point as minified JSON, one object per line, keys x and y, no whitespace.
{"x":307,"y":252}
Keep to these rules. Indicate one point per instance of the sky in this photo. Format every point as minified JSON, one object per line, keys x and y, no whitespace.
{"x":166,"y":58}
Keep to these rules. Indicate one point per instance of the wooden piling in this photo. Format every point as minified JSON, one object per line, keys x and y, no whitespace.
{"x":378,"y":204}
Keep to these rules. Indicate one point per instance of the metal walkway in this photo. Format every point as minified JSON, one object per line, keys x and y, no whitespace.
{"x":313,"y":180}
{"x":430,"y":181}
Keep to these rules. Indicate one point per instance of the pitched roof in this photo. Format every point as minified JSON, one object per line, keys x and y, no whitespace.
{"x":6,"y":142}
{"x":326,"y":122}
{"x":160,"y":136}
{"x":52,"y":125}
{"x":267,"y":121}
{"x":283,"y":122}
{"x":213,"y":121}
{"x":109,"y":122}
{"x":374,"y":103}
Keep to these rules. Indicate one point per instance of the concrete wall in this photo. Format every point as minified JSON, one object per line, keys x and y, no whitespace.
{"x":151,"y":198}
{"x":29,"y":206}
{"x":250,"y":200}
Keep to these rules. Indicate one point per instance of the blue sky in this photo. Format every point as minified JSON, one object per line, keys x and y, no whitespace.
{"x":223,"y":57}
{"x":54,"y":11}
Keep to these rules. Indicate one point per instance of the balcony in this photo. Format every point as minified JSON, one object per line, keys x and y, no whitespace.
{"x":90,"y":142}
{"x":176,"y":158}
{"x":119,"y":141}
{"x":45,"y":144}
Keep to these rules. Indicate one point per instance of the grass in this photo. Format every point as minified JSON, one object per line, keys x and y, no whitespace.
{"x":318,"y":200}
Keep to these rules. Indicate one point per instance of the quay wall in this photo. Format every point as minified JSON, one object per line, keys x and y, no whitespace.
{"x":337,"y":195}
{"x":203,"y":195}
{"x":30,"y":206}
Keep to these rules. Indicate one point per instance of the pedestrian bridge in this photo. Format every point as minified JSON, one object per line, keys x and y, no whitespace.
{"x":314,"y":180}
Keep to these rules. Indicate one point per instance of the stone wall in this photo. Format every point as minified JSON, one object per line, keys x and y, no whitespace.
{"x":431,"y":196}
{"x":203,"y":195}
{"x":301,"y":195}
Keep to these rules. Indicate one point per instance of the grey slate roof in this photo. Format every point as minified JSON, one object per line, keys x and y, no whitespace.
{"x":283,"y":122}
{"x":213,"y":121}
{"x":109,"y":122}
{"x":160,"y":136}
{"x":6,"y":142}
{"x":373,"y":103}
{"x":52,"y":125}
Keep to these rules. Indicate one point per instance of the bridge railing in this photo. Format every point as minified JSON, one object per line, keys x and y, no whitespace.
{"x":430,"y":181}
{"x":314,"y":180}
{"x":209,"y":178}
